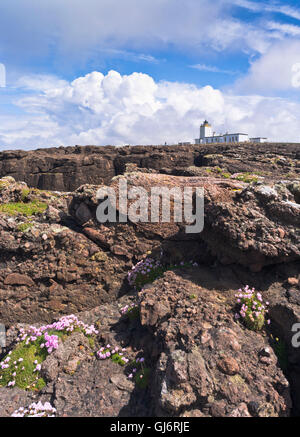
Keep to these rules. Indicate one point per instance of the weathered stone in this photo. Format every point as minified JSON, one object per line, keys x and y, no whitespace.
{"x":228,"y":365}
{"x":17,"y":279}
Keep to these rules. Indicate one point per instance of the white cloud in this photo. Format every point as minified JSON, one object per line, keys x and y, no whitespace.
{"x":287,"y":29}
{"x":211,"y":69}
{"x":77,"y":31}
{"x":134,"y":109}
{"x":287,"y":10}
{"x":273,"y":71}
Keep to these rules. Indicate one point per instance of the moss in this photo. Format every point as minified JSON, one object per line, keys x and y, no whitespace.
{"x":3,"y":185}
{"x":26,"y":209}
{"x":91,"y":342}
{"x":23,"y":227}
{"x":193,"y":296}
{"x":24,"y":194}
{"x":25,"y":378}
{"x":226,"y":175}
{"x":240,"y":382}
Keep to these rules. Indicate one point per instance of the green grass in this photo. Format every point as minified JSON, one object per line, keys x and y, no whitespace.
{"x":21,"y":208}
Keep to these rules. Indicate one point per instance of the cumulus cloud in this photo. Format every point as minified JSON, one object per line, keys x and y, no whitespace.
{"x":134,"y":109}
{"x":274,"y":71}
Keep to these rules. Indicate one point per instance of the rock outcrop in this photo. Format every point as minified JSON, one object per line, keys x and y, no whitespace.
{"x":66,"y":168}
{"x":48,"y":267}
{"x":253,"y":225}
{"x":209,"y":364}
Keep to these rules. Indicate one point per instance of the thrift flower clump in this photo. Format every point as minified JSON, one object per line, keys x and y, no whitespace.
{"x":132,"y":311}
{"x":252,"y":308}
{"x":147,"y":270}
{"x":139,"y":373}
{"x":22,"y":366}
{"x":36,"y":410}
{"x":116,"y":354}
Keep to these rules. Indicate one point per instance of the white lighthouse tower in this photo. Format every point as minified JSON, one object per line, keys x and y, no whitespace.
{"x":205,"y":131}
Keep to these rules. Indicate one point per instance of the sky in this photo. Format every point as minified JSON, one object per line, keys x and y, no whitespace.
{"x":118,"y":72}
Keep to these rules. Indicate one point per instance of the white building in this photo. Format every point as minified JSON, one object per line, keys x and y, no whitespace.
{"x":207,"y":136}
{"x":259,"y":140}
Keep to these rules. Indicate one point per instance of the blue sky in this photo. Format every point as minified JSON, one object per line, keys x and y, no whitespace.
{"x":147,"y":71}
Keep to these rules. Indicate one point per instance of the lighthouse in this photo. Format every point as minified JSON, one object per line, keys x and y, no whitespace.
{"x":207,"y":136}
{"x":205,"y":130}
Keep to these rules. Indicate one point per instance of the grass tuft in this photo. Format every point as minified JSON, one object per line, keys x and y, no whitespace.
{"x":25,"y":209}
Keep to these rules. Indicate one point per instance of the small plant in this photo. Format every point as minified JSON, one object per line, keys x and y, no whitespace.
{"x":24,"y":195}
{"x":252,"y":309}
{"x":36,"y":410}
{"x":140,"y":373}
{"x":25,"y":209}
{"x":148,"y":270}
{"x":21,"y":367}
{"x":246,"y":177}
{"x":132,"y":311}
{"x":280,"y":350}
{"x":114,"y":353}
{"x":145,"y":272}
{"x":23,"y":227}
{"x":226,"y":175}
